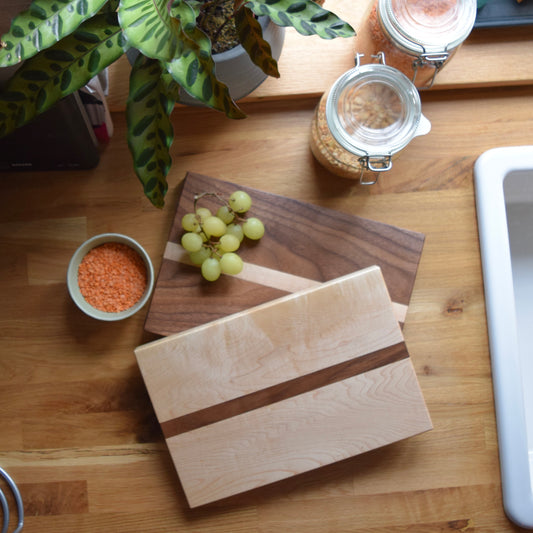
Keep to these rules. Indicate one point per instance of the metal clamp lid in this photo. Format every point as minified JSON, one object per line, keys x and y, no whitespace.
{"x":376,"y":164}
{"x":435,"y":60}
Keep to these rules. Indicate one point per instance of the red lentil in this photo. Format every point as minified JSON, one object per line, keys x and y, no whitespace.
{"x":112,"y":277}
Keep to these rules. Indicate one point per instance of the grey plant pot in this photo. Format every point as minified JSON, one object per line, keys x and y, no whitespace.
{"x":235,"y":68}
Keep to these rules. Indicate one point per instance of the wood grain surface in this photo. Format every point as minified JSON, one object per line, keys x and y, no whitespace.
{"x":269,"y":344}
{"x":288,"y":386}
{"x":303,"y":245}
{"x":299,"y":434}
{"x":78,"y":432}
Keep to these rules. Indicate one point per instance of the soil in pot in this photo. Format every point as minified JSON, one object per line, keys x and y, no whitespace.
{"x":217,"y":22}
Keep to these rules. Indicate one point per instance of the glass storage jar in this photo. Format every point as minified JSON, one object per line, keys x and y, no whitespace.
{"x":367,"y":117}
{"x":417,"y":36}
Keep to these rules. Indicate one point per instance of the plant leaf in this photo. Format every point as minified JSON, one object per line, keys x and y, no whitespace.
{"x":197,"y":6}
{"x":60,"y":70}
{"x":306,"y":16}
{"x":111,"y":6}
{"x":42,"y":25}
{"x":194,"y":69}
{"x":152,"y":96}
{"x":251,"y":38}
{"x":150,"y":28}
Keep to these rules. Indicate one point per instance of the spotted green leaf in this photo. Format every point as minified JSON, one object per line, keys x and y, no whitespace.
{"x":151,"y":99}
{"x":306,"y":16}
{"x":44,"y":23}
{"x":60,"y":70}
{"x":251,"y":38}
{"x":150,"y":28}
{"x":194,"y":68}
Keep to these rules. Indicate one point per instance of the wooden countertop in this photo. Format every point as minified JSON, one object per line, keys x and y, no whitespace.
{"x":78,"y":433}
{"x":309,"y":65}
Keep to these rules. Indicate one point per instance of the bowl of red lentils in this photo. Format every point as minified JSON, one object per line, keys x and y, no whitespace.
{"x":110,"y":277}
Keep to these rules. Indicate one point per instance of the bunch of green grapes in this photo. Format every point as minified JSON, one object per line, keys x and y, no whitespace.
{"x":212,"y":240}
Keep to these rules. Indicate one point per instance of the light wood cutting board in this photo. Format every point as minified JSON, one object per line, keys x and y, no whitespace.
{"x":304,"y":245}
{"x":283,"y":388}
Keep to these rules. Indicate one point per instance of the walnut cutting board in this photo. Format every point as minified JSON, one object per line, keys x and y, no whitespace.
{"x":304,"y":245}
{"x":283,"y":388}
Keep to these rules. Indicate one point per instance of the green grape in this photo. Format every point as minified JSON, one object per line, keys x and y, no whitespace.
{"x":214,"y":227}
{"x":225,"y":214}
{"x":231,"y":263}
{"x":211,"y":269}
{"x":192,"y":242}
{"x":235,"y":229}
{"x":203,"y":213}
{"x":240,"y":201}
{"x":189,"y":222}
{"x":200,"y":256}
{"x":212,"y":240}
{"x":253,"y":228}
{"x":229,"y":243}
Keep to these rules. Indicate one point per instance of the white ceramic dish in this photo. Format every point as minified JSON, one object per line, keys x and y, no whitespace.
{"x":72,"y":276}
{"x":504,"y":200}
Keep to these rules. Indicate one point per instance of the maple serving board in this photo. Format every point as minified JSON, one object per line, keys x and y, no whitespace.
{"x":304,"y":245}
{"x":283,"y":388}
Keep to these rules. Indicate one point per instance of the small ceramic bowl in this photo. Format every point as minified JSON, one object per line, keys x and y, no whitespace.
{"x":72,"y":276}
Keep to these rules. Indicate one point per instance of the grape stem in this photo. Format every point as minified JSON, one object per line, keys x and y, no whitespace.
{"x":208,"y":240}
{"x":198,"y":196}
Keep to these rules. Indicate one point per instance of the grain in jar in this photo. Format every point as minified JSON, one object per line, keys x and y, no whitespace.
{"x":367,"y":117}
{"x":418,"y":37}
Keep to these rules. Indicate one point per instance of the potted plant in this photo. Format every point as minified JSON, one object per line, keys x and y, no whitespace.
{"x":62,"y":44}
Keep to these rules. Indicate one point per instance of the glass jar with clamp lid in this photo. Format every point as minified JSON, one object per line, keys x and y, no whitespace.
{"x":367,"y":117}
{"x":417,"y":36}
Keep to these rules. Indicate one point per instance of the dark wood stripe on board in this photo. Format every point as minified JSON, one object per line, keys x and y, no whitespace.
{"x":282,"y":391}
